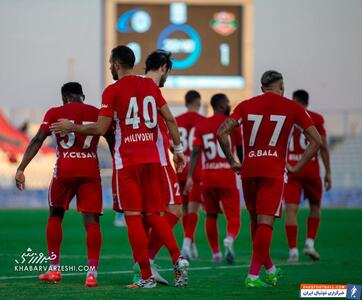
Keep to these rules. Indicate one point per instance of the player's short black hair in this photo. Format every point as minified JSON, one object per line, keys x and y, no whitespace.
{"x":191,"y":96}
{"x":74,"y":88}
{"x":157,"y":59}
{"x":301,"y":96}
{"x":269,"y":77}
{"x":124,"y":56}
{"x":216,"y":99}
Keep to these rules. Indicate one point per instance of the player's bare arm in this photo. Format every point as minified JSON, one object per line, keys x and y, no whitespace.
{"x":178,"y":155}
{"x":315,"y":142}
{"x":223,"y":134}
{"x":32,"y":149}
{"x":98,"y":128}
{"x":324,"y":151}
{"x":196,"y":152}
{"x":109,"y":136}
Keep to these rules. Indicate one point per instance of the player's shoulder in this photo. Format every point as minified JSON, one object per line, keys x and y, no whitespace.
{"x":316,"y":117}
{"x":91,"y":107}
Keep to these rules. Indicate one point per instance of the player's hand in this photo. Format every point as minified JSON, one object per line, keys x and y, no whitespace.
{"x":328,"y":181}
{"x":236,"y":166}
{"x":20,"y":180}
{"x":188,"y":185}
{"x":292,"y":169}
{"x":180,"y":161}
{"x":62,"y":126}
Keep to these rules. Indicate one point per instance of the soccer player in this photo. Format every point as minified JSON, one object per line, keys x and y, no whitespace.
{"x":219,"y":182}
{"x":135,"y":104}
{"x":76,"y":173}
{"x":268,"y":121}
{"x":307,"y":180}
{"x":191,"y":201}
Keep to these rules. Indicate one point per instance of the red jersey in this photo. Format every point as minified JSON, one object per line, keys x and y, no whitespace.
{"x":186,"y":126}
{"x":268,"y":121}
{"x":216,"y":171}
{"x":134,"y":102}
{"x":76,"y":153}
{"x":298,"y":144}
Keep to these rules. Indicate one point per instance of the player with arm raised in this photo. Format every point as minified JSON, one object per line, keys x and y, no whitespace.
{"x":135,"y":103}
{"x":219,"y":183}
{"x":268,"y":121}
{"x":307,"y":180}
{"x":191,"y":201}
{"x":76,"y":173}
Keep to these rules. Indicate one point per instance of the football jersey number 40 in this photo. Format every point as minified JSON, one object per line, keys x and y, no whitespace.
{"x":132,"y":117}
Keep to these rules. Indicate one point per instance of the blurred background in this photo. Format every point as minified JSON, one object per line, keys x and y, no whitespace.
{"x":218,"y":46}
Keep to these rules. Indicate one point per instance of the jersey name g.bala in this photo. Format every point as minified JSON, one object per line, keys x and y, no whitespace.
{"x":76,"y":153}
{"x":134,"y":103}
{"x":268,"y":121}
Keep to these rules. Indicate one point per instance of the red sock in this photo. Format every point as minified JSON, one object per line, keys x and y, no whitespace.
{"x":163,"y":232}
{"x":233,"y":225}
{"x":261,"y":247}
{"x":212,"y":233}
{"x":54,"y":236}
{"x":192,"y":219}
{"x":138,"y":240}
{"x":291,"y":231}
{"x":154,"y":243}
{"x":268,"y":262}
{"x":253,"y":230}
{"x":312,"y":227}
{"x":94,"y":242}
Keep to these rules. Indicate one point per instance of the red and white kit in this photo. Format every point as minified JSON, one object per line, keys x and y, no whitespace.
{"x":76,"y":172}
{"x":186,"y":123}
{"x":308,"y":179}
{"x":268,"y":121}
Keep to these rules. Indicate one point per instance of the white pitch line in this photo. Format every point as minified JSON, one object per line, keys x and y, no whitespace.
{"x":161,"y":270}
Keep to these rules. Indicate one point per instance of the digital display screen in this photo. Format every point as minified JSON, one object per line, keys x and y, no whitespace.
{"x":205,"y":41}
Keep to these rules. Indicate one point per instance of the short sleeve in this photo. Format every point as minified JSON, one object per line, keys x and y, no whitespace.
{"x":108,"y":102}
{"x":48,"y":119}
{"x":237,"y":113}
{"x":238,"y":136}
{"x":320,"y":126}
{"x":302,"y":118}
{"x":160,"y":101}
{"x":197,"y":138}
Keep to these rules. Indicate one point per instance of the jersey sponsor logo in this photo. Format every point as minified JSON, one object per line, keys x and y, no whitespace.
{"x":139,"y":137}
{"x":216,"y":165}
{"x":104,"y":105}
{"x":263,"y":153}
{"x":296,"y":157}
{"x":45,"y":123}
{"x":81,"y":155}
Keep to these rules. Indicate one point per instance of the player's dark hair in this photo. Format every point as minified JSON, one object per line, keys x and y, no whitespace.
{"x":157,"y":59}
{"x":301,"y":96}
{"x":72,"y":88}
{"x":216,"y":100}
{"x":269,"y":77}
{"x":124,"y":56}
{"x":191,"y":96}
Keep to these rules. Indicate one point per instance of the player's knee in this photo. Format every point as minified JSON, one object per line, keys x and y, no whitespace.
{"x":266,"y":219}
{"x":90,"y":218}
{"x":315,"y":211}
{"x":211,"y":215}
{"x":56,"y":212}
{"x":175,"y":210}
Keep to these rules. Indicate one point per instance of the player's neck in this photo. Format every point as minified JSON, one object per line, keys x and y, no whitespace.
{"x":154,"y":76}
{"x":122,"y":73}
{"x":191,"y":109}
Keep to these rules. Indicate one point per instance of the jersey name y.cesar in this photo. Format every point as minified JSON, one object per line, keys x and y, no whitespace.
{"x":216,"y":171}
{"x":186,"y":123}
{"x":268,"y":122}
{"x":298,"y":144}
{"x":76,"y":153}
{"x":134,"y":103}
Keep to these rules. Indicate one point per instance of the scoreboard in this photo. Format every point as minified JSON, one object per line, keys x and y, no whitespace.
{"x":208,"y":40}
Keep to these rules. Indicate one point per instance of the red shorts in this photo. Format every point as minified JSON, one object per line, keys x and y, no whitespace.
{"x":172,"y":192}
{"x":229,"y":199}
{"x":311,"y":187}
{"x":263,"y":195}
{"x":194,"y":195}
{"x":88,"y":191}
{"x":139,"y":187}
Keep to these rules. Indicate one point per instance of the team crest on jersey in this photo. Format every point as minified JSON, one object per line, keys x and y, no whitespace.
{"x":224,"y":23}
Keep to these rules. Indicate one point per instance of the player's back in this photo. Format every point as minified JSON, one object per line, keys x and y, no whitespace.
{"x":268,"y":121}
{"x":186,"y":124}
{"x":138,"y":138}
{"x":298,"y":144}
{"x":77,"y":154}
{"x":216,"y":170}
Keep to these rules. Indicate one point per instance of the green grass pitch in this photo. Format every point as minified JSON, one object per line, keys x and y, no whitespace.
{"x":339,"y":243}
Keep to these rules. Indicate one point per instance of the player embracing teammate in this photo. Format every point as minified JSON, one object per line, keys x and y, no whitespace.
{"x":136,"y":105}
{"x":267,"y":123}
